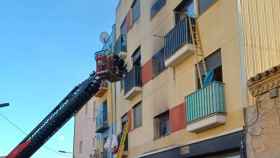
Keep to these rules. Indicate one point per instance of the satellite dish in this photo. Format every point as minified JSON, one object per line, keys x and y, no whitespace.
{"x":104,"y":37}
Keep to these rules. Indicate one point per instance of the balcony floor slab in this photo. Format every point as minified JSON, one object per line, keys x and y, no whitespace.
{"x":180,"y":55}
{"x":206,"y":123}
{"x":133,"y":92}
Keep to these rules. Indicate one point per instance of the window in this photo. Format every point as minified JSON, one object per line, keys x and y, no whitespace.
{"x":105,"y":111}
{"x":158,"y":62}
{"x":134,"y":77}
{"x":136,"y":13}
{"x":161,"y":125}
{"x":102,"y":116}
{"x":185,"y":8}
{"x":81,"y":147}
{"x":124,"y":28}
{"x":214,"y":69}
{"x":157,"y":7}
{"x":137,"y":115}
{"x":136,"y":57}
{"x":203,"y":5}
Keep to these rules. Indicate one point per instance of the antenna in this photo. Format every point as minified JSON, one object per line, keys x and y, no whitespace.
{"x":104,"y":37}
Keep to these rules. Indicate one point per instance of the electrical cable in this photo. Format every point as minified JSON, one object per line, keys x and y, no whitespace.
{"x":25,"y":134}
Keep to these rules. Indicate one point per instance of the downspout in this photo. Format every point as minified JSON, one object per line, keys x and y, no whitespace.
{"x":113,"y":120}
{"x":243,"y":75}
{"x":114,"y":110}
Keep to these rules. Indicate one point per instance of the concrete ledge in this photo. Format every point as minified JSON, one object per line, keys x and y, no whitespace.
{"x":180,"y":55}
{"x":133,"y":92}
{"x":209,"y":122}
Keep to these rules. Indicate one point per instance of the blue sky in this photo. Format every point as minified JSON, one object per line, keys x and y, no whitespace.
{"x":46,"y":48}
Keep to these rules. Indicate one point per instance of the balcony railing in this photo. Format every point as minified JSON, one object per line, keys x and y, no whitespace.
{"x":133,"y":79}
{"x":176,"y":38}
{"x":120,"y":45}
{"x":206,"y":102}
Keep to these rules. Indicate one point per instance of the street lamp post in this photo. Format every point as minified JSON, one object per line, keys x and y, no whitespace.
{"x":4,"y":105}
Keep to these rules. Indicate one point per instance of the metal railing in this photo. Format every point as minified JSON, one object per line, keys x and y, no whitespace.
{"x":205,"y":102}
{"x":133,"y":79}
{"x":176,"y":38}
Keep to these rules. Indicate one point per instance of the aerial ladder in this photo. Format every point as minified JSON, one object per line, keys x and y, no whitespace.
{"x":109,"y":67}
{"x":123,"y":140}
{"x":199,"y":54}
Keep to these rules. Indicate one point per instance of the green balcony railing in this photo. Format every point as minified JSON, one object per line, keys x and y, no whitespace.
{"x":205,"y":102}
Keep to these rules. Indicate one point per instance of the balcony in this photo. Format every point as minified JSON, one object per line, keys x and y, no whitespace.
{"x":178,"y":44}
{"x":133,"y":82}
{"x":206,"y":107}
{"x":102,"y":89}
{"x":102,"y":119}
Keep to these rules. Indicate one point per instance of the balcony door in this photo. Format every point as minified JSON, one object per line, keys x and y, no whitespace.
{"x":185,"y":8}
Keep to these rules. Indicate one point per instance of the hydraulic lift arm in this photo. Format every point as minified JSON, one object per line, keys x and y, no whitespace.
{"x":66,"y":109}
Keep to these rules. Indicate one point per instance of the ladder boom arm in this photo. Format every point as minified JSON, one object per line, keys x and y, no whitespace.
{"x":58,"y":117}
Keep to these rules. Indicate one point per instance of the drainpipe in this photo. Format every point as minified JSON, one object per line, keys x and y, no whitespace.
{"x":114,"y":109}
{"x":243,"y":75}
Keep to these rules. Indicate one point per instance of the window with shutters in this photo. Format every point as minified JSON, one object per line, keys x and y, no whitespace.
{"x":124,"y":27}
{"x":136,"y":10}
{"x":203,"y":5}
{"x":158,"y":62}
{"x":137,"y":115}
{"x":102,"y":117}
{"x":162,"y":125}
{"x":158,"y":4}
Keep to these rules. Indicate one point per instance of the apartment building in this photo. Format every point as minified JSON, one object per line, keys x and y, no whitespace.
{"x":84,"y":134}
{"x":188,"y":64}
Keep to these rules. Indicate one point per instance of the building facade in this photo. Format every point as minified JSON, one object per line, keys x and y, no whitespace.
{"x":262,"y":118}
{"x":177,"y":113}
{"x":188,"y":64}
{"x":84,"y":134}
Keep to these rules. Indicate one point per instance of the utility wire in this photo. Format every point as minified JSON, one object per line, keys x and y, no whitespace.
{"x":13,"y":124}
{"x":24,"y":133}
